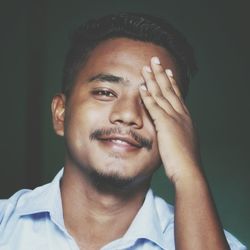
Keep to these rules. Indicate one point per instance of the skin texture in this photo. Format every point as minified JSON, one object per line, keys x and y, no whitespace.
{"x":146,"y":101}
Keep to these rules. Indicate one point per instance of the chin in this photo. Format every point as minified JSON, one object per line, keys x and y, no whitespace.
{"x":113,"y":181}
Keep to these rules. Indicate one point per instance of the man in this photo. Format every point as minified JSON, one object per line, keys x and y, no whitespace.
{"x":122,"y":114}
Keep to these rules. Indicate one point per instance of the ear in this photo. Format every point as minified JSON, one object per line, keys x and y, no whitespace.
{"x":58,"y":113}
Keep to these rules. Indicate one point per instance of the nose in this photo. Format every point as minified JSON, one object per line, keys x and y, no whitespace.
{"x":127,"y":112}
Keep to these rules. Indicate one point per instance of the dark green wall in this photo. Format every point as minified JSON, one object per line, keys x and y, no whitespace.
{"x":34,"y":38}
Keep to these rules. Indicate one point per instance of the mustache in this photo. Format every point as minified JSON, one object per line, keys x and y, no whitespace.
{"x":142,"y":141}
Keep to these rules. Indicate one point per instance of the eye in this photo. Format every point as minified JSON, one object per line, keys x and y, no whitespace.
{"x":103,"y":94}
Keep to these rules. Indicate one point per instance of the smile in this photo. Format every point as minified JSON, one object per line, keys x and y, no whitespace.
{"x":122,"y":143}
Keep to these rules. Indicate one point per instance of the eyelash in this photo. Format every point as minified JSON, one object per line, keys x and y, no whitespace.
{"x":103,"y":92}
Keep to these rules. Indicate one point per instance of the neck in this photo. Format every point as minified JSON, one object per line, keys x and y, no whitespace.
{"x":88,"y":211}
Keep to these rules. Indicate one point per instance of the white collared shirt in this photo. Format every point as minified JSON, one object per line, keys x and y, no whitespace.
{"x":33,"y":220}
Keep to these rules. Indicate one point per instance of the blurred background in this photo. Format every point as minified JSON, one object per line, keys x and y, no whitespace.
{"x":34,"y":41}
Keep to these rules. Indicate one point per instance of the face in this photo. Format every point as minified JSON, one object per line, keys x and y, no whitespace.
{"x":106,"y":126}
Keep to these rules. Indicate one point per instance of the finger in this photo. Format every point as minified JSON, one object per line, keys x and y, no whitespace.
{"x":161,"y":76}
{"x":155,"y":111}
{"x":173,"y":83}
{"x":176,"y":89}
{"x":165,"y":84}
{"x":152,"y":87}
{"x":154,"y":90}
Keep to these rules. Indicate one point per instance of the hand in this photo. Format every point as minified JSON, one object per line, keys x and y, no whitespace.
{"x":177,"y":141}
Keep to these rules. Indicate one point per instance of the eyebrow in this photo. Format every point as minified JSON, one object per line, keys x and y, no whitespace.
{"x":107,"y":78}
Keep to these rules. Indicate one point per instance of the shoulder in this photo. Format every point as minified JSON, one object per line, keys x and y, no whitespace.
{"x":12,"y":202}
{"x":8,"y":206}
{"x":165,"y":212}
{"x":18,"y":209}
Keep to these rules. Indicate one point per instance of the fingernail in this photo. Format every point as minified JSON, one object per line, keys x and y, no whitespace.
{"x":155,"y":60}
{"x":148,"y":69}
{"x":169,"y":72}
{"x":143,"y":87}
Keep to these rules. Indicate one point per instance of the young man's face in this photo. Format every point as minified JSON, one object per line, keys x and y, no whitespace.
{"x":107,"y":128}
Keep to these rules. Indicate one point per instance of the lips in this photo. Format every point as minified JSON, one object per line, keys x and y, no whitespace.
{"x":121,"y":141}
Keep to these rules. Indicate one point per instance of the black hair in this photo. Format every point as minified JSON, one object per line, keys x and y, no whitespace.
{"x":140,"y":27}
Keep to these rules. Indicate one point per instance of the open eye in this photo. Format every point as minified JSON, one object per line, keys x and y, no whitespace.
{"x":103,"y":94}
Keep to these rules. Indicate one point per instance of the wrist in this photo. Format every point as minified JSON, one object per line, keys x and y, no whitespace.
{"x":192,"y":177}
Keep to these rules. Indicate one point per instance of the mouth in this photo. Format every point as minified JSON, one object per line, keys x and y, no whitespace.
{"x":121,"y":142}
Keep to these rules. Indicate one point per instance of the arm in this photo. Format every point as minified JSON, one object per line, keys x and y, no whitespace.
{"x":197,"y":225}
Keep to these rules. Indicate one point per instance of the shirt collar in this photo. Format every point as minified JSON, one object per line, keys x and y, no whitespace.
{"x":148,"y":223}
{"x":46,"y":198}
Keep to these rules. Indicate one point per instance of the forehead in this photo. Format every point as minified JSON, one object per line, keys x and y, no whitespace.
{"x":124,"y":57}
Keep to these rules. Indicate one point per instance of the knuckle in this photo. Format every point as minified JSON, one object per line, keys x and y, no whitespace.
{"x":151,"y":81}
{"x":160,"y":70}
{"x":158,"y":96}
{"x":148,"y":99}
{"x":168,"y":88}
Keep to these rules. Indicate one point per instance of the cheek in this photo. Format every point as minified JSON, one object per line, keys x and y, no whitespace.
{"x":85,"y":118}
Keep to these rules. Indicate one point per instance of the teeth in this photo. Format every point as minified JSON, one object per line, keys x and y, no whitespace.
{"x":120,"y":142}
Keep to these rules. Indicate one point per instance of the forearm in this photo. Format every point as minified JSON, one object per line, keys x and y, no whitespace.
{"x":197,"y":225}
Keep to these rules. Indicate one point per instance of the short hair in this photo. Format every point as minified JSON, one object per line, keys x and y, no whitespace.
{"x":135,"y":26}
